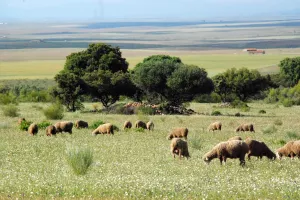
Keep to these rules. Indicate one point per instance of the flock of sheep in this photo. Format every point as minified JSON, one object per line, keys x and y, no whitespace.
{"x":235,"y":147}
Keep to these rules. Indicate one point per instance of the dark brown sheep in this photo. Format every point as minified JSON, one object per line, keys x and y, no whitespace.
{"x":104,"y":129}
{"x":228,"y":149}
{"x":215,"y":126}
{"x":140,"y":124}
{"x":235,"y":138}
{"x":259,"y":149}
{"x":127,"y":124}
{"x":179,"y":147}
{"x":245,"y":127}
{"x":33,"y":129}
{"x":81,"y":124}
{"x":286,"y":150}
{"x":150,"y":126}
{"x":50,"y":130}
{"x":178,"y":133}
{"x":64,"y":127}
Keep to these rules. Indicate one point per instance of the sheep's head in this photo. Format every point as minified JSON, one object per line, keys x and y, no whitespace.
{"x":207,"y":160}
{"x":170,"y":137}
{"x":237,"y":129}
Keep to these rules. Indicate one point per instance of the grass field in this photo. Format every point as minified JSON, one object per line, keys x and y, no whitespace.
{"x":49,"y":62}
{"x":139,"y":165}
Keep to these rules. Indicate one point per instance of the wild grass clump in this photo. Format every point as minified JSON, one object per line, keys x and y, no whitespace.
{"x":280,"y":142}
{"x":24,"y":125}
{"x":43,"y":124}
{"x":4,"y":125}
{"x":195,"y":143}
{"x":278,"y":122}
{"x":269,"y":129}
{"x":262,"y":112}
{"x":95,"y":124}
{"x":54,"y":111}
{"x":287,"y":103}
{"x":216,"y":113}
{"x":6,"y":99}
{"x":293,"y":135}
{"x":139,"y":129}
{"x":10,"y":110}
{"x":145,"y":110}
{"x":79,"y":159}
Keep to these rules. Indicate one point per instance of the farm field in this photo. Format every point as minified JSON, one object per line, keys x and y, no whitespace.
{"x":139,"y":165}
{"x":17,"y":64}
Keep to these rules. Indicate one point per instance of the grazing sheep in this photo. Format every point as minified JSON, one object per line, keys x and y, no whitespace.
{"x":33,"y":129}
{"x":104,"y":129}
{"x":178,"y":133}
{"x":286,"y":150}
{"x":179,"y":147}
{"x":81,"y":124}
{"x":235,"y":138}
{"x":259,"y":149}
{"x":245,"y":127}
{"x":295,"y":149}
{"x":228,"y":149}
{"x":127,"y":124}
{"x":215,"y":126}
{"x":20,"y":120}
{"x":50,"y":130}
{"x":150,"y":125}
{"x":140,"y":124}
{"x":64,"y":127}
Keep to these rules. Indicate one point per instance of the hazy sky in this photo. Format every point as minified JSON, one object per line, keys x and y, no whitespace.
{"x":87,"y":10}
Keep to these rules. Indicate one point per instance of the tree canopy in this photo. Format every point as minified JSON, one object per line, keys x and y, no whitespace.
{"x":290,"y":70}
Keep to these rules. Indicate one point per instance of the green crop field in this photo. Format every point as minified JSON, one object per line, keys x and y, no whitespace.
{"x":139,"y":165}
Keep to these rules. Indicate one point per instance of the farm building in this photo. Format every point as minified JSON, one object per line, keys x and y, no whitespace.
{"x":254,"y":51}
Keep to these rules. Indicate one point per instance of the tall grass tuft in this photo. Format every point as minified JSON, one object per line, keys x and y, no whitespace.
{"x":10,"y":110}
{"x":95,"y":124}
{"x":79,"y":159}
{"x":278,"y":122}
{"x":195,"y":143}
{"x":269,"y":129}
{"x":293,"y":135}
{"x":54,"y":111}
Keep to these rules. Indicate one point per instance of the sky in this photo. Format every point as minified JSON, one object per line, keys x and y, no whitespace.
{"x":113,"y":10}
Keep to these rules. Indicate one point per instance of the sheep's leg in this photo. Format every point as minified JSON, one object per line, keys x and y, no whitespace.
{"x":221,"y":160}
{"x":179,"y":153}
{"x":249,"y":156}
{"x":242,"y":161}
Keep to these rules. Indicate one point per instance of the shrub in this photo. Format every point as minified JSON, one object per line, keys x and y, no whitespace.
{"x":293,"y":135}
{"x":6,"y":99}
{"x":245,"y":109}
{"x":139,"y":129}
{"x":43,"y":124}
{"x":10,"y":110}
{"x":238,"y":114}
{"x":238,"y":104}
{"x":54,"y":111}
{"x":278,"y":122}
{"x":269,"y":129}
{"x":287,"y":103}
{"x":95,"y":124}
{"x":80,"y":160}
{"x":262,"y":112}
{"x":24,"y":125}
{"x":216,"y":113}
{"x":145,"y":110}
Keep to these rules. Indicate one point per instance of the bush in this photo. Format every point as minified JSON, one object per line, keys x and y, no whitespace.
{"x":95,"y":124}
{"x":43,"y":124}
{"x":269,"y":129}
{"x":239,"y":104}
{"x":139,"y":129}
{"x":54,"y":111}
{"x":6,"y":99}
{"x":216,"y":113}
{"x":287,"y":103}
{"x":145,"y":110}
{"x":278,"y":122}
{"x":24,"y":125}
{"x":293,"y":135}
{"x":245,"y":109}
{"x":10,"y":110}
{"x":262,"y":112}
{"x":238,"y":114}
{"x":80,"y":160}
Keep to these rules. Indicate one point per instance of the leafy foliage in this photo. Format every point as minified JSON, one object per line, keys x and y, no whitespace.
{"x":54,"y":111}
{"x":95,"y":124}
{"x":43,"y":124}
{"x":216,"y":113}
{"x":290,"y":69}
{"x":24,"y":125}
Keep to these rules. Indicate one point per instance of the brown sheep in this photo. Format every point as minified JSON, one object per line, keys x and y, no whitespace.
{"x":295,"y":149}
{"x":104,"y":129}
{"x":33,"y":129}
{"x":50,"y":130}
{"x":127,"y":124}
{"x":259,"y":149}
{"x":140,"y":124}
{"x":228,"y":149}
{"x":20,"y":120}
{"x":64,"y":127}
{"x":235,"y":138}
{"x":245,"y":127}
{"x":81,"y":124}
{"x":178,"y":133}
{"x":286,"y":150}
{"x":150,"y":125}
{"x":215,"y":126}
{"x":179,"y":147}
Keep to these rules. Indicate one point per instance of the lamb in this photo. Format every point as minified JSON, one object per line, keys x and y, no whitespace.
{"x":104,"y":129}
{"x":20,"y":120}
{"x":286,"y":150}
{"x":245,"y":127}
{"x":215,"y":126}
{"x":150,"y":125}
{"x":64,"y":127}
{"x":127,"y":124}
{"x":33,"y":129}
{"x":259,"y":149}
{"x":179,"y":147}
{"x":295,"y":149}
{"x":228,"y":149}
{"x":140,"y":124}
{"x":81,"y":124}
{"x":50,"y":130}
{"x":235,"y":138}
{"x":178,"y":133}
